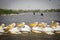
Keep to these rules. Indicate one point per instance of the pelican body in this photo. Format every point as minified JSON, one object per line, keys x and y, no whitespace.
{"x":24,"y":28}
{"x":48,"y":30}
{"x":35,"y":27}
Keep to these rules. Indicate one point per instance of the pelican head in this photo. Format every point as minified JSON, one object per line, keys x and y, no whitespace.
{"x":2,"y":25}
{"x":43,"y":25}
{"x":57,"y":23}
{"x":21,"y":24}
{"x":34,"y":24}
{"x":52,"y":21}
{"x":54,"y":24}
{"x":13,"y":24}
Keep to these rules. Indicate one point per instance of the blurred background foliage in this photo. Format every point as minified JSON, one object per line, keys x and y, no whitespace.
{"x":9,"y":11}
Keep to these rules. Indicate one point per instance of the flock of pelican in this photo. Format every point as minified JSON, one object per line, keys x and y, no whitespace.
{"x":35,"y":27}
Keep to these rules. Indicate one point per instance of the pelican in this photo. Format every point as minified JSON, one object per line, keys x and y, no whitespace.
{"x":24,"y":28}
{"x":48,"y":30}
{"x":1,"y":27}
{"x":13,"y":29}
{"x":42,"y":25}
{"x":54,"y":24}
{"x":9,"y":28}
{"x":57,"y":29}
{"x":35,"y":27}
{"x":33,"y":24}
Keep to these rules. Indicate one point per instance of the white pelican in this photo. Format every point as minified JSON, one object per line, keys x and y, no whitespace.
{"x":54,"y":24}
{"x":57,"y":29}
{"x":1,"y":27}
{"x":9,"y":28}
{"x":35,"y":27}
{"x":14,"y":30}
{"x":48,"y":30}
{"x":24,"y":28}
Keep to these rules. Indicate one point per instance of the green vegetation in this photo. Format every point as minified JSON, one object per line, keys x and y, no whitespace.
{"x":6,"y":11}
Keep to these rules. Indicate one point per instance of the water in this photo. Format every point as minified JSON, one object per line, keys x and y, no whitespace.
{"x":29,"y":17}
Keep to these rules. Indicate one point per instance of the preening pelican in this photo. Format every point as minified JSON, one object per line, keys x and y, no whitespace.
{"x":9,"y":27}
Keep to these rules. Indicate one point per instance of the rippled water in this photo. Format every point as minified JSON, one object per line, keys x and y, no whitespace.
{"x":30,"y":17}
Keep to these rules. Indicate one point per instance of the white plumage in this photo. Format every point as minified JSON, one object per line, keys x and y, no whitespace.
{"x":48,"y":30}
{"x":25,"y":28}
